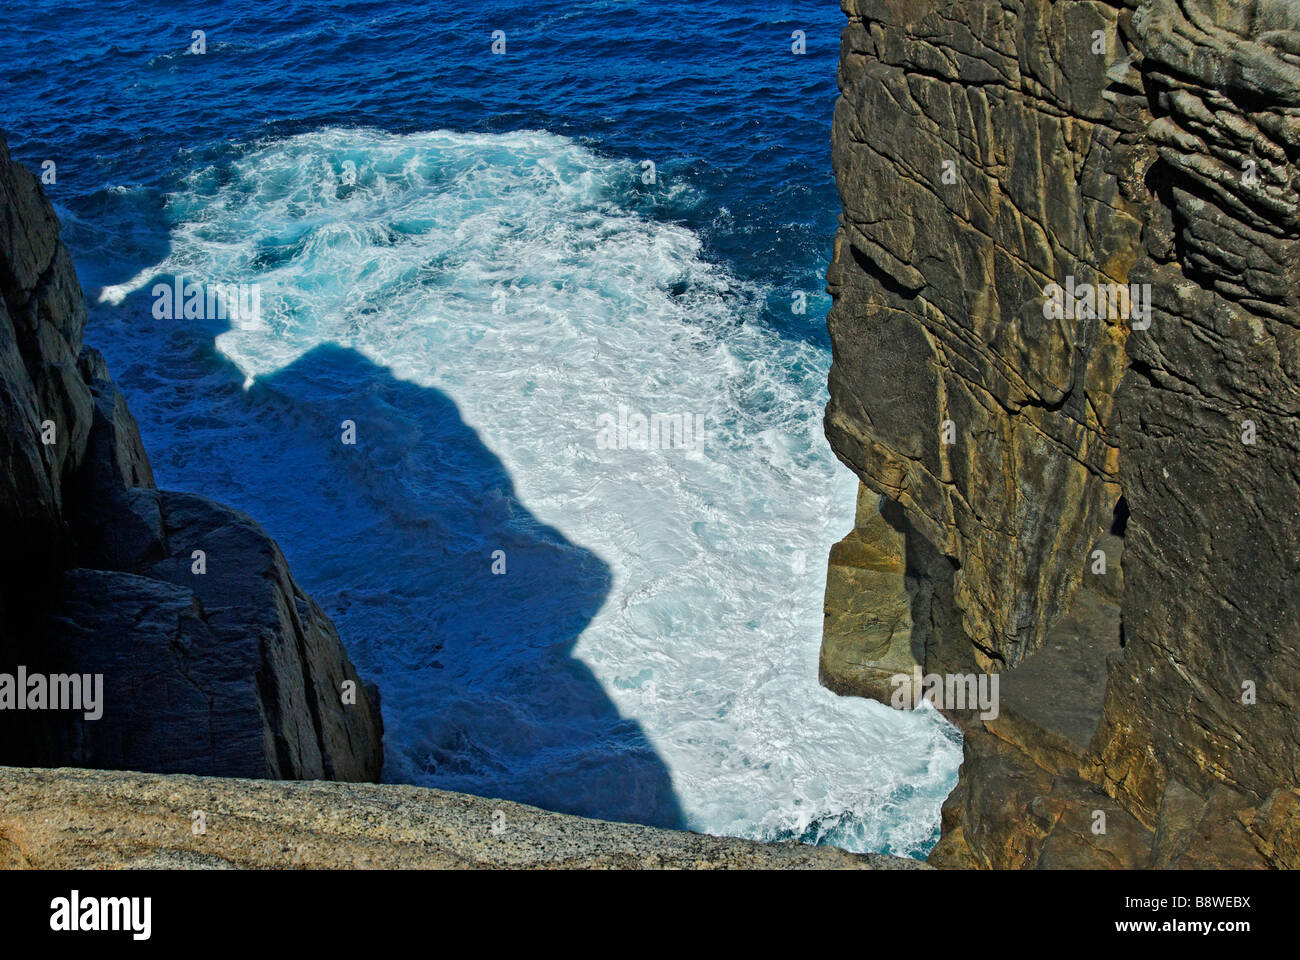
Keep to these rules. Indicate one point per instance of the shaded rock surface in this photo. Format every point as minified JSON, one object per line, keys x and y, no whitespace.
{"x":867,"y":634}
{"x":59,"y":819}
{"x":231,"y":671}
{"x":1102,"y":508}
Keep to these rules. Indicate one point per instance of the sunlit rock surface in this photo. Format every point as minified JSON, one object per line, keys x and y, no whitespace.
{"x":984,"y":151}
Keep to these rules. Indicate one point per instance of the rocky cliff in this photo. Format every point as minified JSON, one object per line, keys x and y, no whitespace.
{"x":212,"y":659}
{"x":1067,"y":373}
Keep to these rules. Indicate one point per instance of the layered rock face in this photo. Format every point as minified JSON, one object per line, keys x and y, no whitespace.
{"x":1094,"y":497}
{"x":212,"y":659}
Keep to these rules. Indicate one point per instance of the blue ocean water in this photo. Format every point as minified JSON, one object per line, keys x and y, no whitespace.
{"x":474,"y":257}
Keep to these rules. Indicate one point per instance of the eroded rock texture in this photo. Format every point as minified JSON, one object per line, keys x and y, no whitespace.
{"x":233,"y":671}
{"x":1103,"y":509}
{"x":95,"y":819}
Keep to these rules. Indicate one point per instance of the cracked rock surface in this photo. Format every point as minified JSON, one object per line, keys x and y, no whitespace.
{"x":984,"y":151}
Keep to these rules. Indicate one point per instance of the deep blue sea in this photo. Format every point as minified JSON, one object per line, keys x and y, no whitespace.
{"x":476,"y":258}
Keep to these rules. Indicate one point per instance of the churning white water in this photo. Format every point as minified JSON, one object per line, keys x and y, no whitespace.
{"x":510,"y":273}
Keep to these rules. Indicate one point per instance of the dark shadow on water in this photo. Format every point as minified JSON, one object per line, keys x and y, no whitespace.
{"x":395,"y":536}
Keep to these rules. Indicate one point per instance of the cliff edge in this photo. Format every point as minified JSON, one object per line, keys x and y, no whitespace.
{"x":139,"y":628}
{"x":1066,"y":362}
{"x":95,"y":819}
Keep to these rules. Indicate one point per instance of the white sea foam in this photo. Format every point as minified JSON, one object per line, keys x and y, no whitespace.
{"x":709,"y":635}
